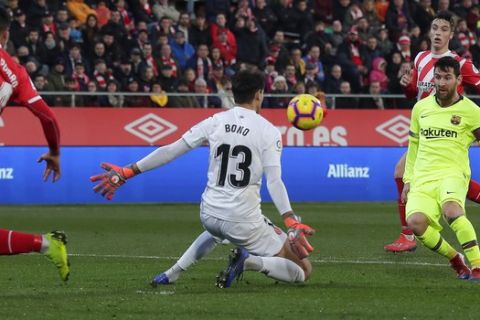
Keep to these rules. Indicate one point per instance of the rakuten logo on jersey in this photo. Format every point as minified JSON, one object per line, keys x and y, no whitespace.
{"x":150,"y":128}
{"x":395,"y":129}
{"x":320,"y":136}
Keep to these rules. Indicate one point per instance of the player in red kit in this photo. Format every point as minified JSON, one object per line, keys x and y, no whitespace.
{"x":419,"y":83}
{"x":16,"y":86}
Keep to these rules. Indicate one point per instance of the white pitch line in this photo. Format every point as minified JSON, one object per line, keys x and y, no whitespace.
{"x":325,"y":261}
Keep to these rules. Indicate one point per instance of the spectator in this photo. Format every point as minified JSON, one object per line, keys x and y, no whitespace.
{"x":183,"y":101}
{"x":313,"y":89}
{"x":221,"y":26}
{"x":206,"y":101}
{"x":101,"y":75}
{"x":166,"y":78}
{"x":214,"y":83}
{"x":35,"y":46}
{"x":201,"y":63}
{"x":190,"y":77}
{"x":216,"y":7}
{"x":61,"y":16}
{"x":112,"y":99}
{"x":147,"y":80}
{"x":142,"y":10}
{"x":333,"y":81}
{"x":127,"y":20}
{"x":72,"y":85}
{"x":251,"y":45}
{"x":103,"y":13}
{"x":135,"y":100}
{"x":299,"y":88}
{"x":297,"y":61}
{"x":395,"y":72}
{"x":56,"y":77}
{"x":351,"y":55}
{"x":48,"y":25}
{"x":64,"y":40}
{"x":384,"y":43}
{"x":346,"y":102}
{"x":462,"y":8}
{"x":40,"y":83}
{"x":183,"y":25}
{"x":166,"y":58}
{"x":80,"y":75}
{"x":378,"y":73}
{"x":286,"y":18}
{"x":340,"y":8}
{"x":278,"y":44}
{"x":291,"y":76}
{"x":92,"y":100}
{"x":216,"y":58}
{"x":337,"y":35}
{"x":398,"y":19}
{"x":115,"y":27}
{"x":90,"y":32}
{"x":313,"y":57}
{"x":19,"y":28}
{"x":227,"y":52}
{"x":374,"y":102}
{"x":466,"y":39}
{"x":353,"y":13}
{"x":225,"y":93}
{"x":112,"y":49}
{"x":79,"y":9}
{"x":372,"y":48}
{"x":166,"y":27}
{"x":181,"y":50}
{"x":158,"y":97}
{"x":123,"y":72}
{"x":200,"y":33}
{"x":369,"y":13}
{"x":35,"y":11}
{"x":162,"y":8}
{"x":279,"y":87}
{"x":51,"y":49}
{"x":149,"y":59}
{"x":265,"y":16}
{"x":74,"y":56}
{"x":137,"y":62}
{"x":302,"y":17}
{"x":312,"y":74}
{"x":424,"y":14}
{"x":318,"y":37}
{"x":404,"y":48}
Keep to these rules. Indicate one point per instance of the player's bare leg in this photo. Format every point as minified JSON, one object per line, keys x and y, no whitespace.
{"x":406,"y":240}
{"x":52,"y":245}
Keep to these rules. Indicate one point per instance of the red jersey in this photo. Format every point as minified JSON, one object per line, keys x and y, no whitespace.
{"x":25,"y":94}
{"x":422,"y":84}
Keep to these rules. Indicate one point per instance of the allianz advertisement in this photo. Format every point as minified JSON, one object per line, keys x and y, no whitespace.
{"x":350,"y":157}
{"x":310,"y":174}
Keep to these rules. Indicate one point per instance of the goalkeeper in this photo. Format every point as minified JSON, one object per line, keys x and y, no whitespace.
{"x":243,"y":147}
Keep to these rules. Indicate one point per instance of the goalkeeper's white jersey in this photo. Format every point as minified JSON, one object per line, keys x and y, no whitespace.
{"x":241,"y":144}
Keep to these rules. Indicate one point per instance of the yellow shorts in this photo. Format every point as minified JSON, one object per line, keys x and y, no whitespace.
{"x":428,"y":198}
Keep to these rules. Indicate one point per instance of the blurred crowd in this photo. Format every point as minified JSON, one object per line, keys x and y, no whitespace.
{"x":161,"y":46}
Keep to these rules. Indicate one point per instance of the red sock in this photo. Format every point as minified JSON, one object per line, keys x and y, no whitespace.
{"x":474,"y":191}
{"x":14,"y":242}
{"x":401,"y":207}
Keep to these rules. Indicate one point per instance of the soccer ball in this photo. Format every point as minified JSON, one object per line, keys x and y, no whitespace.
{"x":304,"y":112}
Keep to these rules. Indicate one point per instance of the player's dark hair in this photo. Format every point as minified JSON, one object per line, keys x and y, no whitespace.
{"x":4,"y":19}
{"x":447,"y":63}
{"x":447,"y":16}
{"x":245,"y":83}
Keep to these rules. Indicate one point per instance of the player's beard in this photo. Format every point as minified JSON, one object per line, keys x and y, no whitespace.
{"x":446,"y":96}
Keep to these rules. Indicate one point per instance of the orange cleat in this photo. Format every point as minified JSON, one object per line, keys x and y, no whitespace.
{"x":462,"y":270}
{"x":402,"y":244}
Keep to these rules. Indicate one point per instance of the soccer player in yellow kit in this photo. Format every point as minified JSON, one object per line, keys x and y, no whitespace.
{"x":437,"y":172}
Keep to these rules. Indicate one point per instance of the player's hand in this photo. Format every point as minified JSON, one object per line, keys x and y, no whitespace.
{"x":53,"y":166}
{"x":405,"y":191}
{"x":406,"y":79}
{"x":299,"y":243}
{"x":112,"y":179}
{"x":294,"y":222}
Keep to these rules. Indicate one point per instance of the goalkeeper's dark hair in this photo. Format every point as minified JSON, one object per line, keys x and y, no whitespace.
{"x":447,"y":16}
{"x":447,"y":63}
{"x":5,"y":19}
{"x":245,"y":83}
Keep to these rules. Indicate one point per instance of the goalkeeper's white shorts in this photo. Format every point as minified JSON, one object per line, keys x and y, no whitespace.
{"x":261,"y":238}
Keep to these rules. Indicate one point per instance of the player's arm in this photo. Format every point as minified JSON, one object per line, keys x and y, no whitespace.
{"x":409,"y":83}
{"x":411,"y":153}
{"x":470,"y":74}
{"x":115,"y":176}
{"x":51,"y":131}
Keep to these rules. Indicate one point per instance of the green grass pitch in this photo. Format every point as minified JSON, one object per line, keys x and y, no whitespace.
{"x":116,"y":249}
